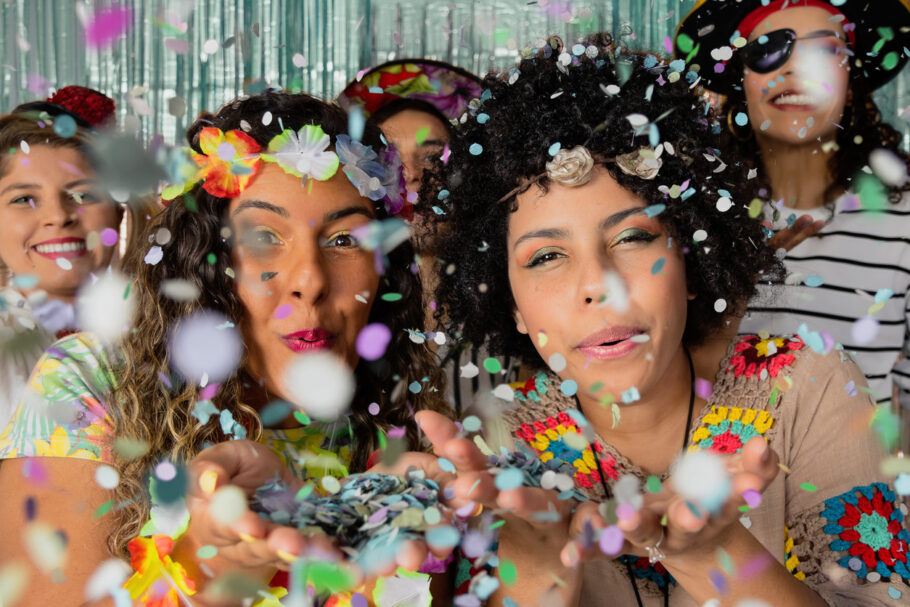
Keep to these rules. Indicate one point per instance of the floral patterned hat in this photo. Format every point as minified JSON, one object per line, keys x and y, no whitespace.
{"x":444,"y":86}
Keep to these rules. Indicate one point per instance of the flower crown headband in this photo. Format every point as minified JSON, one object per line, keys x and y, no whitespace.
{"x":229,"y":161}
{"x":575,"y":166}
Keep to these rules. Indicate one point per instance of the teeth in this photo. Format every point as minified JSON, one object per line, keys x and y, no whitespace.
{"x":794,"y":100}
{"x":64,"y":247}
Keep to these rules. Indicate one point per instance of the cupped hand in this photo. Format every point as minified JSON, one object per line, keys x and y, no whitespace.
{"x":804,"y":227}
{"x":246,"y":543}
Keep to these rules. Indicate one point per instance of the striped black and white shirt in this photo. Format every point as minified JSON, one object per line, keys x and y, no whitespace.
{"x":855,"y":269}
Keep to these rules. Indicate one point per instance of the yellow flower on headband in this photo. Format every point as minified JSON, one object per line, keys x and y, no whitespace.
{"x":303,"y":153}
{"x":228,"y":161}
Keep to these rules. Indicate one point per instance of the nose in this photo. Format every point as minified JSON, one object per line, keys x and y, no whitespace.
{"x":308,"y":277}
{"x":58,"y":211}
{"x":591,"y":284}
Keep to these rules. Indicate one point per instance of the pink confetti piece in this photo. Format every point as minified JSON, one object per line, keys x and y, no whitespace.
{"x":38,"y":85}
{"x":703,"y":388}
{"x":34,"y":471}
{"x":178,"y":46}
{"x":107,"y":25}
{"x":109,"y":237}
{"x":625,"y":511}
{"x":668,"y":45}
{"x":373,"y":341}
{"x":611,"y":540}
{"x":209,"y":391}
{"x":752,"y":497}
{"x":282,"y":311}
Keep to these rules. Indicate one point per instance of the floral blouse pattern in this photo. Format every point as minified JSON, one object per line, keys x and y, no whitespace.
{"x":63,"y":414}
{"x":859,"y":532}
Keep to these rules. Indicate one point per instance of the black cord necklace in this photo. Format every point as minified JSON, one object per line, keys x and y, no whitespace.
{"x":609,"y":494}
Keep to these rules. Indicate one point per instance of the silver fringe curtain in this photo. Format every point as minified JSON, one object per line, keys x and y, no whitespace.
{"x":179,"y":57}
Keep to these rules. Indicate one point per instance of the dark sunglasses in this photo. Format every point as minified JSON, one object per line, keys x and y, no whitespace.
{"x":772,"y":50}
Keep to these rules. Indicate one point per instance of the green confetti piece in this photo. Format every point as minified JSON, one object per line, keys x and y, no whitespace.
{"x":422,"y":134}
{"x":658,"y":265}
{"x":497,"y":525}
{"x":328,"y":578}
{"x":391,"y":296}
{"x":508,"y":573}
{"x":755,"y":208}
{"x":694,"y":52}
{"x":190,"y":203}
{"x":808,"y":487}
{"x":302,"y":417}
{"x":773,"y":398}
{"x":653,"y":484}
{"x":382,"y":440}
{"x":211,"y":259}
{"x":103,"y":509}
{"x":871,"y":193}
{"x":492,"y":365}
{"x":129,"y":448}
{"x":206,"y":552}
{"x":890,"y":60}
{"x":684,"y":43}
{"x":126,"y":292}
{"x":725,"y":562}
{"x":596,"y":387}
{"x":744,"y":508}
{"x":304,"y":492}
{"x":615,"y":410}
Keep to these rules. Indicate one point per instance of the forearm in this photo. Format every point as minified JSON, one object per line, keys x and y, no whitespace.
{"x":771,"y":583}
{"x":540,"y":572}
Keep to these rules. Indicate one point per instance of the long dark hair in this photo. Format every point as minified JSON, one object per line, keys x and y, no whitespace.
{"x":160,"y":414}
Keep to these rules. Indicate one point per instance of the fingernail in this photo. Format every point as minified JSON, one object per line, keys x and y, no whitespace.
{"x":246,"y":537}
{"x":207,"y":481}
{"x":286,"y":556}
{"x":570,"y":555}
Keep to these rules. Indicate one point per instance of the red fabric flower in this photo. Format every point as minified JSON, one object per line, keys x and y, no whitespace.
{"x":92,"y":106}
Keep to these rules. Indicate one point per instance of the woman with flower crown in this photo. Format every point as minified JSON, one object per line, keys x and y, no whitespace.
{"x":130,"y":442}
{"x":618,"y":240}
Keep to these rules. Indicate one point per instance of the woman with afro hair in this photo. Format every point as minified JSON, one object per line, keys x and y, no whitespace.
{"x":597,"y":235}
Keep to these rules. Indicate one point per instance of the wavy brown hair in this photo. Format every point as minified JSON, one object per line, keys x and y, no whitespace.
{"x":160,"y":412}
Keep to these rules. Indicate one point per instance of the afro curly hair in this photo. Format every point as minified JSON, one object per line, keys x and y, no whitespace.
{"x":589,"y":96}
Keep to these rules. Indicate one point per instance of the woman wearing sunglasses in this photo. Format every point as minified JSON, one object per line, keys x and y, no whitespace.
{"x":798,"y":78}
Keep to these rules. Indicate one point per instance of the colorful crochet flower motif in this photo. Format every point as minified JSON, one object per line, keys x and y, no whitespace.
{"x":532,"y":389}
{"x":228,"y":161}
{"x":644,"y":570}
{"x":754,"y":355}
{"x":727,"y":429}
{"x":304,"y":153}
{"x":548,"y":439}
{"x":869,"y":528}
{"x":790,"y":559}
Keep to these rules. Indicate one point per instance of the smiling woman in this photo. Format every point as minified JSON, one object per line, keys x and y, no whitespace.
{"x":275,"y":241}
{"x":618,"y":245}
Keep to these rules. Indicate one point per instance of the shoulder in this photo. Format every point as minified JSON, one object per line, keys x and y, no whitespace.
{"x":63,"y":411}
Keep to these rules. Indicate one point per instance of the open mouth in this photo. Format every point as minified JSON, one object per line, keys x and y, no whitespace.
{"x":796,"y":101}
{"x":613,"y":342}
{"x":67,"y":248}
{"x":308,"y":340}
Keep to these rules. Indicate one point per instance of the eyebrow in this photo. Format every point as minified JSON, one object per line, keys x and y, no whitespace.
{"x":606,"y":224}
{"x":260,"y":204}
{"x":347,"y":212}
{"x":20,"y":186}
{"x":78,"y":182}
{"x":821,"y":34}
{"x":433,"y":142}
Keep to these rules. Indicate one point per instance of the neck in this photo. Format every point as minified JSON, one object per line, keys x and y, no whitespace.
{"x":650,"y":430}
{"x":798,"y":173}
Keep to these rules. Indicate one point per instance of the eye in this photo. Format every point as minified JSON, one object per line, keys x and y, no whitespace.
{"x":83,"y":197}
{"x":632,"y":235}
{"x":23,"y":200}
{"x":544,"y":256}
{"x":343,"y":240}
{"x":260,"y":238}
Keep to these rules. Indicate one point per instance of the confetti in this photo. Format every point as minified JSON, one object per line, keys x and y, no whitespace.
{"x":557,"y":362}
{"x":508,"y":479}
{"x":154,"y":255}
{"x":611,"y":540}
{"x":701,"y":477}
{"x":205,"y":346}
{"x":492,"y":365}
{"x":106,"y":579}
{"x":228,"y":504}
{"x":808,"y":487}
{"x":321,"y":384}
{"x":107,"y":25}
{"x":106,"y":477}
{"x":106,"y":308}
{"x":373,"y":340}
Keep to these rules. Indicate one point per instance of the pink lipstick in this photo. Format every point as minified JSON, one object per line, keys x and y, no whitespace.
{"x":309,"y":340}
{"x":609,"y":343}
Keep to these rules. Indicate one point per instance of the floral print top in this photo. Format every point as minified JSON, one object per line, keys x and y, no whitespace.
{"x":829,"y":517}
{"x":64,"y":414}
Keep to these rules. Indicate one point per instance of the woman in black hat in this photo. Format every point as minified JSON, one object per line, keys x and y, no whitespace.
{"x":798,"y":77}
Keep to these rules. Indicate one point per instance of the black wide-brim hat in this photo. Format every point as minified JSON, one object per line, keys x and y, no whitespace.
{"x":882,"y":34}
